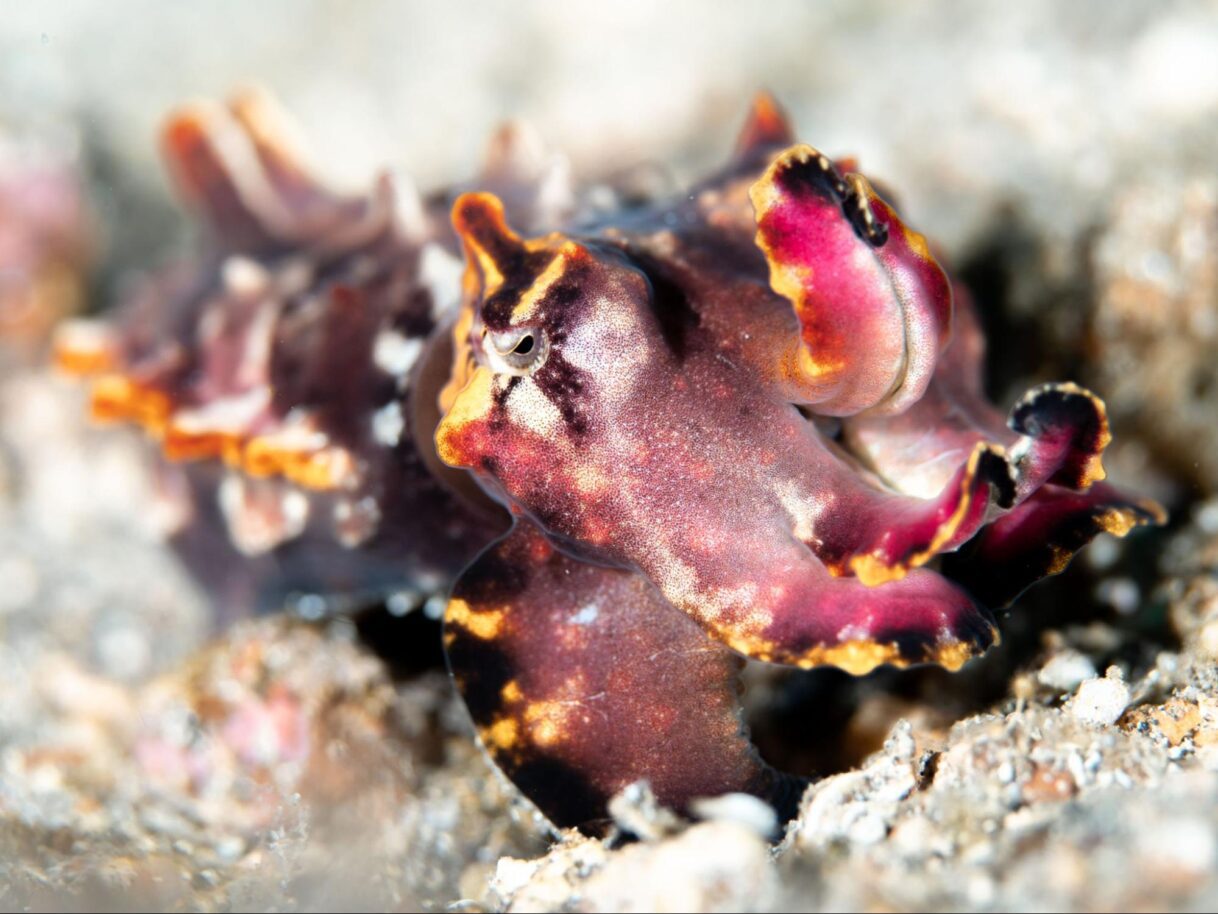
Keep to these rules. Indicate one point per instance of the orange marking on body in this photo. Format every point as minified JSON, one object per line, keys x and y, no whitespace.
{"x":547,"y":721}
{"x":1094,"y":471}
{"x":322,"y":469}
{"x":510,"y":693}
{"x":1119,"y":521}
{"x":567,"y":255}
{"x":82,"y":363}
{"x":117,"y":398}
{"x":181,"y":445}
{"x":473,"y":403}
{"x":114,"y":399}
{"x":502,"y":734}
{"x":485,"y":624}
{"x":463,"y":359}
{"x":83,"y":354}
{"x":859,"y":657}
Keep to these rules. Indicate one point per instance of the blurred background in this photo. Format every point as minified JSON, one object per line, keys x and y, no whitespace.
{"x":1061,"y":155}
{"x":962,"y":106}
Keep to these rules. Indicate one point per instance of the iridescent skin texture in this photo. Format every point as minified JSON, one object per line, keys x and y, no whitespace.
{"x":743,"y":421}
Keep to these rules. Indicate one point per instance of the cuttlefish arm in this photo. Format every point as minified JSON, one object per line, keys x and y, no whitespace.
{"x":1053,"y":441}
{"x":887,"y":343}
{"x":579,"y":412}
{"x":1041,"y":536}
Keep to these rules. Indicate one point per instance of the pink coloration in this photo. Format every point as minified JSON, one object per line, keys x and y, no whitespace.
{"x":874,"y":307}
{"x":746,"y":420}
{"x":269,"y":732}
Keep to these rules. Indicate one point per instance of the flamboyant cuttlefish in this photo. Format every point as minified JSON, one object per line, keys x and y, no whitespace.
{"x":741,"y":421}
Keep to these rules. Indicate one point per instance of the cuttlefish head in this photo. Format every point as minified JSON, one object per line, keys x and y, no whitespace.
{"x":555,"y":340}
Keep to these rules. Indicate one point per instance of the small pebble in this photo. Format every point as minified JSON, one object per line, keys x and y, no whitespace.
{"x":1100,"y":702}
{"x":869,"y":829}
{"x":1066,"y":670}
{"x":1122,"y":594}
{"x":1207,"y":516}
{"x":739,"y":808}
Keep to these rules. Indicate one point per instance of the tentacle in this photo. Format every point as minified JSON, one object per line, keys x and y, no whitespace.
{"x":580,"y":680}
{"x":1054,"y":440}
{"x":874,"y":307}
{"x":918,"y":450}
{"x":1041,"y":536}
{"x":1056,"y":433}
{"x":1064,"y":431}
{"x":907,"y":533}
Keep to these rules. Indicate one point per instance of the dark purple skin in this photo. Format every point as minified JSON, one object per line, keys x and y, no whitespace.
{"x":583,"y":648}
{"x":735,"y":423}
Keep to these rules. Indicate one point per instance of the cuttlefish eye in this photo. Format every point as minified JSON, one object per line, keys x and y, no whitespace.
{"x":516,"y":352}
